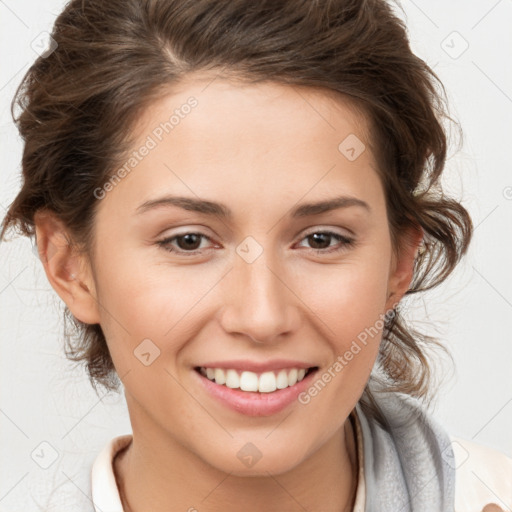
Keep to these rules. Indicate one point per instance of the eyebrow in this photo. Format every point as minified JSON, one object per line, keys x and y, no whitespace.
{"x":222,"y":211}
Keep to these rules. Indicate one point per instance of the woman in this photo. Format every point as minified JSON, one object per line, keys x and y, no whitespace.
{"x":297,"y":146}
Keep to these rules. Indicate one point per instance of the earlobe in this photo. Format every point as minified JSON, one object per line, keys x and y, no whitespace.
{"x":66,"y":269}
{"x":401,"y":273}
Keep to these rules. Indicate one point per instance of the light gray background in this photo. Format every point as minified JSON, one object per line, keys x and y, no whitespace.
{"x":44,"y":399}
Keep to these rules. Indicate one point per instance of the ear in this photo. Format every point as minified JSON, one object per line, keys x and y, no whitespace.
{"x":402,"y":264}
{"x":68,"y":271}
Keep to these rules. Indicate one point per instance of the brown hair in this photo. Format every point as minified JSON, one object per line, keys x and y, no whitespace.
{"x":78,"y":104}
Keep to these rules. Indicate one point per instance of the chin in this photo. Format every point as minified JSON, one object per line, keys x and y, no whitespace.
{"x":252,"y":459}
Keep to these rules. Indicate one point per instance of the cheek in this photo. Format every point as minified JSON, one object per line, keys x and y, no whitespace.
{"x":360,"y":310}
{"x":349,"y":298}
{"x":354,"y":334}
{"x":350,"y":307}
{"x":158,"y":303}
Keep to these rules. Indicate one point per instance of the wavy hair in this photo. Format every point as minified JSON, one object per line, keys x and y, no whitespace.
{"x":75,"y":109}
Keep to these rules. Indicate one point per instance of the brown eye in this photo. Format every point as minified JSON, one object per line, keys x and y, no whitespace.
{"x":320,"y":241}
{"x":190,"y":241}
{"x":185,"y":243}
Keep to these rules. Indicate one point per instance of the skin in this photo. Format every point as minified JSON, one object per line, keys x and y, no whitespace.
{"x":261,"y":150}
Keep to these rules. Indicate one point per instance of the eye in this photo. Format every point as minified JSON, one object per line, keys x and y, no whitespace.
{"x":321,"y":241}
{"x":188,"y":243}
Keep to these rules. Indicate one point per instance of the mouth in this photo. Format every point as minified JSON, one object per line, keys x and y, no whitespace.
{"x":255,"y":393}
{"x":255,"y":382}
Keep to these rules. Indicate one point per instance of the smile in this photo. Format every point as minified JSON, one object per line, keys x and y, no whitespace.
{"x":266,"y":382}
{"x":255,"y":393}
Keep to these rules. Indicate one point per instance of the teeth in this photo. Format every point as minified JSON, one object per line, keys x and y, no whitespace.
{"x":248,"y":381}
{"x":266,"y":382}
{"x":282,"y":380}
{"x":219,"y":376}
{"x":232,"y":379}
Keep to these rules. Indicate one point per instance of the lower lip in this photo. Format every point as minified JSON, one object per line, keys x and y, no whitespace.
{"x":253,"y":403}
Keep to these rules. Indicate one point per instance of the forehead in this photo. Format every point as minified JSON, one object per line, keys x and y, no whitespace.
{"x":262,"y":105}
{"x":245,"y":142}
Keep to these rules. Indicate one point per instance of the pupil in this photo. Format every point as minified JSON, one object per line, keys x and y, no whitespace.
{"x":316,"y":237}
{"x":189,"y":238}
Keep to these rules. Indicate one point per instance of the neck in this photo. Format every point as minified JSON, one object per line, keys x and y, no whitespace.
{"x":327,"y":480}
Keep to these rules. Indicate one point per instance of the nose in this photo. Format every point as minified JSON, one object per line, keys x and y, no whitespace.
{"x":259,"y":302}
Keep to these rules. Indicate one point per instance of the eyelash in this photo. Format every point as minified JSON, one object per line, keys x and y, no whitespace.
{"x":347,"y":242}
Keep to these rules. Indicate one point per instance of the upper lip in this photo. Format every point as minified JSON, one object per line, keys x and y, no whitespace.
{"x":257,"y":367}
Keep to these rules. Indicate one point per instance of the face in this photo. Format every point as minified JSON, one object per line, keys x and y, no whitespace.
{"x":239,"y":280}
